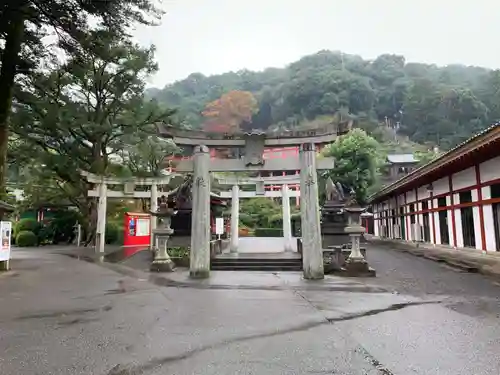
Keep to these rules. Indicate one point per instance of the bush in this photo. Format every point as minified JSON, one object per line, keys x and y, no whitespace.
{"x":45,"y":235}
{"x":178,"y":252}
{"x":276,"y":221}
{"x":26,"y":238}
{"x":30,"y":225}
{"x":268,"y":232}
{"x":247,"y":220}
{"x":62,"y":227}
{"x":114,"y":234}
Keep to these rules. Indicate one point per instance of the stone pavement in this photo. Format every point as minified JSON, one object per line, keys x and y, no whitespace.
{"x":471,"y":260}
{"x":60,"y":315}
{"x":257,"y":244}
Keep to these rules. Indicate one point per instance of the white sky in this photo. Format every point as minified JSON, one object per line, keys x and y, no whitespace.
{"x":215,"y":36}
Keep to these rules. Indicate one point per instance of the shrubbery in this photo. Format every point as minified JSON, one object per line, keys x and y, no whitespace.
{"x":178,"y":252}
{"x":26,"y":238}
{"x":114,"y":233}
{"x":268,"y":232}
{"x":30,"y":225}
{"x":58,"y":229}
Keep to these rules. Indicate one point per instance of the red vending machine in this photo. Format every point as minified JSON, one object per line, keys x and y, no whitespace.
{"x":137,"y":233}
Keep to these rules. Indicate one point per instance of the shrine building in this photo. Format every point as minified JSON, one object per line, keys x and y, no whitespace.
{"x":454,"y":200}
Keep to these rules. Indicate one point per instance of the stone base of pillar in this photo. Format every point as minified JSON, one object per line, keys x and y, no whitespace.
{"x":4,"y":265}
{"x":162,"y":265}
{"x":356,"y":268}
{"x":199,"y":274}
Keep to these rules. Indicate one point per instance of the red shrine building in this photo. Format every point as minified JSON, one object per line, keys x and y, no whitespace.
{"x":453,"y":200}
{"x":269,"y":153}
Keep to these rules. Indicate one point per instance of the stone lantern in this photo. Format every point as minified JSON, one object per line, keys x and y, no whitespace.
{"x":161,"y":235}
{"x":356,"y":264}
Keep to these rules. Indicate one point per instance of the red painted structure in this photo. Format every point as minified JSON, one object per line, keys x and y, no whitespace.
{"x":471,"y":153}
{"x":131,"y":241}
{"x":269,"y":153}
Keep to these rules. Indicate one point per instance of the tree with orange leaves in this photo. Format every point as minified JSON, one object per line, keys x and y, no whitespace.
{"x":227,"y":113}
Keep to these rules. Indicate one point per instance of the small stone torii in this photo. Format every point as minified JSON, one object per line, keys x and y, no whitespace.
{"x":260,"y":191}
{"x":102,"y":192}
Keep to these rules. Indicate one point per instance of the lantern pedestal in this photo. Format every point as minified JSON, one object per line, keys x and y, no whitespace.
{"x":356,"y":265}
{"x":162,"y":261}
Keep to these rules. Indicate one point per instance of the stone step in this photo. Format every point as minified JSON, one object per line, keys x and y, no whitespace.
{"x":256,"y":264}
{"x":256,"y":261}
{"x":256,"y":267}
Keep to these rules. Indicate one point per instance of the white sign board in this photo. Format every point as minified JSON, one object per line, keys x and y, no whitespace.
{"x":219,"y":225}
{"x":6,"y":233}
{"x":142,"y":227}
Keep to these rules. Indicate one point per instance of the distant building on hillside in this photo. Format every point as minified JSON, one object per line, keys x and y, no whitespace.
{"x":399,"y":165}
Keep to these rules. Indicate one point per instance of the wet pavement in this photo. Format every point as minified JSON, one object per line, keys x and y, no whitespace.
{"x":60,"y":315}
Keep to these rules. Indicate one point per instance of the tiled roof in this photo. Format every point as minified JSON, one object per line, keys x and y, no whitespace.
{"x":401,"y":158}
{"x":432,"y":164}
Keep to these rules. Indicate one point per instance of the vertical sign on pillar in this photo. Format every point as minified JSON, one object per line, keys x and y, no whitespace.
{"x":219,"y":226}
{"x":235,"y":220}
{"x":312,"y":252}
{"x":199,"y":266}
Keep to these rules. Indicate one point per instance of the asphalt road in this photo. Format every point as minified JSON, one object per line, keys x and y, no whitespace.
{"x":64,"y":316}
{"x":469,"y":293}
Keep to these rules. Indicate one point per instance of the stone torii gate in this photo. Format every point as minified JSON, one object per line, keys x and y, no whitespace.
{"x":260,"y":191}
{"x":254,"y":144}
{"x":128,"y":191}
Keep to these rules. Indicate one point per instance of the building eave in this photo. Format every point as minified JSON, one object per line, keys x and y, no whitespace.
{"x":485,"y":137}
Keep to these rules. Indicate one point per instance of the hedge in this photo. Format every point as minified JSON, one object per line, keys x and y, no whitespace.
{"x":268,"y":232}
{"x":30,"y":225}
{"x":26,"y":238}
{"x":114,"y":234}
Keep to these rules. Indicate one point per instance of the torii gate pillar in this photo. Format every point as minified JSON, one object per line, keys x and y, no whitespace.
{"x":312,"y":253}
{"x":102,"y":204}
{"x":199,"y":265}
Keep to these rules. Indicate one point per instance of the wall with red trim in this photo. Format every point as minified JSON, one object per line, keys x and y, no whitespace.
{"x":476,"y":179}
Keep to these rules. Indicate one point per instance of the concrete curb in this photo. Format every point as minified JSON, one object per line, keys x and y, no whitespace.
{"x":489,"y":266}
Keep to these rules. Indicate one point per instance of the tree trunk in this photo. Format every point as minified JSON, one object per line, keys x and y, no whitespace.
{"x":8,"y":70}
{"x":92,"y":221}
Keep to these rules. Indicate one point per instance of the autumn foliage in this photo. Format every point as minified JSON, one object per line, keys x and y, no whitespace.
{"x":227,"y":113}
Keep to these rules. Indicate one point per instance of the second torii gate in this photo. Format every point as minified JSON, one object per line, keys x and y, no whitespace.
{"x":260,"y":191}
{"x":102,"y":193}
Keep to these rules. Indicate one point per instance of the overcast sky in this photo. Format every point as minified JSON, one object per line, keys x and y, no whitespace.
{"x":215,"y":36}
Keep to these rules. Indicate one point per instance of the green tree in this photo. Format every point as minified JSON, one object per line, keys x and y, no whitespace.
{"x":356,"y":162}
{"x":427,"y":103}
{"x":145,"y":155}
{"x":25,"y":24}
{"x":80,"y":115}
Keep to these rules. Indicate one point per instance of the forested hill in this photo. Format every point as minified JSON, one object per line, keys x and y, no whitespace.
{"x":436,"y":105}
